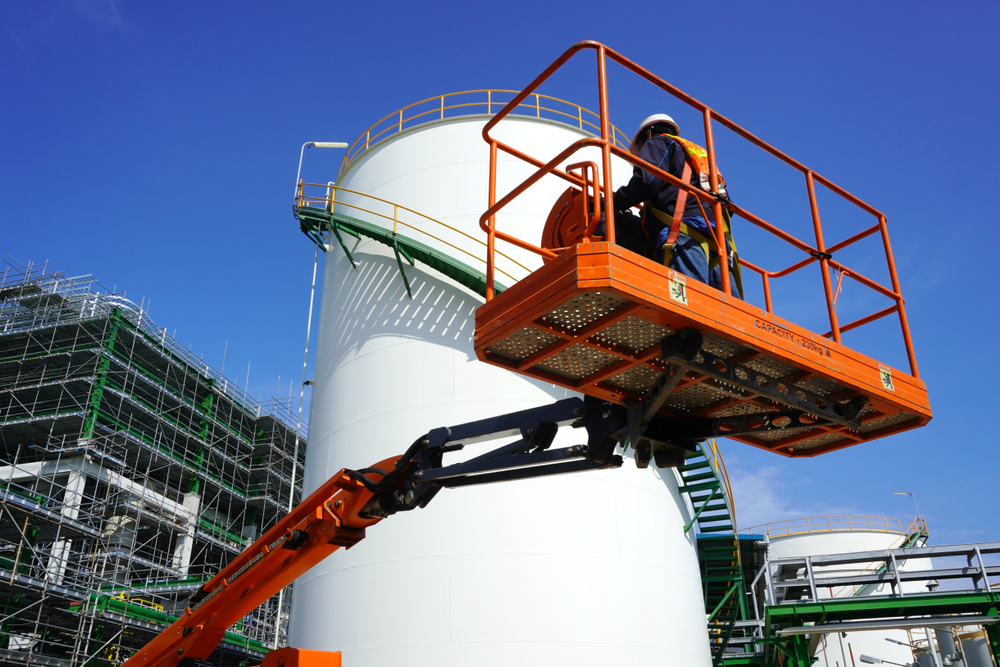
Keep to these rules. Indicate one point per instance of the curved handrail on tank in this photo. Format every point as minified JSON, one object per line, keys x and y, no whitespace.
{"x":723,"y":474}
{"x":838,"y":523}
{"x":328,"y":200}
{"x":561,"y":111}
{"x":819,"y":252}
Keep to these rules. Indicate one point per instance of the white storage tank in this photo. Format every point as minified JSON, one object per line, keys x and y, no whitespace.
{"x":586,"y":569}
{"x":799,"y":538}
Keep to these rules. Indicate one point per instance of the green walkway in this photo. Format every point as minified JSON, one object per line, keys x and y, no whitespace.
{"x":784,"y":624}
{"x":317,"y":222}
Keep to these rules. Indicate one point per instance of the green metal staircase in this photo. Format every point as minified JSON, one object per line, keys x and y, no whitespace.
{"x":718,"y":548}
{"x":315,"y":222}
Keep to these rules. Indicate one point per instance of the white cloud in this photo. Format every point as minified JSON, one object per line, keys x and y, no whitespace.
{"x":758,"y":498}
{"x":774,"y":493}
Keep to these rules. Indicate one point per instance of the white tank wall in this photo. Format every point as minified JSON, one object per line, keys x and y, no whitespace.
{"x":441,"y":169}
{"x":976,"y":650}
{"x":836,"y":649}
{"x":587,"y":569}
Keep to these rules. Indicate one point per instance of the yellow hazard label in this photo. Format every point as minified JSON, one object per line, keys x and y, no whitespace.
{"x":677,"y":286}
{"x":886,"y":374}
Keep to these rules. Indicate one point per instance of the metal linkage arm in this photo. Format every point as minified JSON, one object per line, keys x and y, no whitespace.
{"x":337,"y":514}
{"x":683,"y":352}
{"x":529,"y":456}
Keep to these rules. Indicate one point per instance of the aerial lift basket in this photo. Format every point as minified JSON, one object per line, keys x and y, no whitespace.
{"x":609,"y":323}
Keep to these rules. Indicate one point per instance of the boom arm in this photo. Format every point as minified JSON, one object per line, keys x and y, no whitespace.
{"x":338,"y":513}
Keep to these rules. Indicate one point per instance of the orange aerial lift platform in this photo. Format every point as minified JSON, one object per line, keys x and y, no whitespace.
{"x":599,"y":319}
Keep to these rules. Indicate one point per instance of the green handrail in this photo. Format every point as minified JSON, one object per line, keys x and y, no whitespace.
{"x":314,"y":222}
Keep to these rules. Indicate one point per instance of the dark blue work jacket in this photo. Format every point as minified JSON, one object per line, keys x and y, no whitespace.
{"x":669,"y":156}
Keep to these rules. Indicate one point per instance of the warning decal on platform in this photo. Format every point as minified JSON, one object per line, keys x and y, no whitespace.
{"x":886,"y":374}
{"x":677,"y":286}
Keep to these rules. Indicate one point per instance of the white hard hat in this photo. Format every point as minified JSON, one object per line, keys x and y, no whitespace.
{"x":633,"y":147}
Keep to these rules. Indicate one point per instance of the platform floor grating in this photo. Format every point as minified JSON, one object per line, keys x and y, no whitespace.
{"x":565,"y":343}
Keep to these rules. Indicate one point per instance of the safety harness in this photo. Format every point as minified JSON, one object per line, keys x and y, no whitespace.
{"x":696,"y":158}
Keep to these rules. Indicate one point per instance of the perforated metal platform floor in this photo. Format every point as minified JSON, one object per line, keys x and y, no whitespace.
{"x":593,"y":320}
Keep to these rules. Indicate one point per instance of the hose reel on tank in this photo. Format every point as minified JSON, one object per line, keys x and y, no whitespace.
{"x":577,"y":213}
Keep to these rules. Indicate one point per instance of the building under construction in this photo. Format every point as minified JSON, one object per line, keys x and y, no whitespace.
{"x":130,"y":473}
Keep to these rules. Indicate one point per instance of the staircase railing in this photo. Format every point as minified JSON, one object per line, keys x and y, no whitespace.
{"x":706,"y":482}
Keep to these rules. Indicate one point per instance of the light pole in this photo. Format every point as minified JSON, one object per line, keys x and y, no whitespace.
{"x":305,"y":359}
{"x":317,"y":144}
{"x":907,"y":493}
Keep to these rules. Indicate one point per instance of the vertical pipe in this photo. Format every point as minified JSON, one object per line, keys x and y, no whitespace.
{"x":491,"y":235}
{"x":17,"y":556}
{"x":368,"y":134}
{"x":895,"y":574}
{"x":538,"y":107}
{"x":298,"y":425}
{"x":400,"y":120}
{"x":720,"y":227}
{"x":769,"y":580}
{"x":602,"y":91}
{"x":932,"y":647}
{"x":982,"y":569}
{"x":442,"y":107}
{"x":812,"y":579}
{"x":767,"y":294}
{"x":395,"y":218}
{"x":893,"y":276}
{"x":489,"y":101}
{"x":823,"y":262}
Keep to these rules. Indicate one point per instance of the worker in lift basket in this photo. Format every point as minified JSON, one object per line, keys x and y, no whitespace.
{"x":685,"y":242}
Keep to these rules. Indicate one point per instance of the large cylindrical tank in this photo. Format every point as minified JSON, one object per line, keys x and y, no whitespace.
{"x":976,"y":648}
{"x":585,"y":569}
{"x":844,"y":649}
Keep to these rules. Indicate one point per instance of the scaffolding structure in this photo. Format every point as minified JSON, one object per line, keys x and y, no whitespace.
{"x":130,"y":473}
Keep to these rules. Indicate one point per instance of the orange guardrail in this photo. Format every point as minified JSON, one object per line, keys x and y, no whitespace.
{"x":843,"y":522}
{"x":817,"y":250}
{"x":468,"y":102}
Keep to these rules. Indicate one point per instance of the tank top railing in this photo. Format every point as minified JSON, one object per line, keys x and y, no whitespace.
{"x":470,"y":102}
{"x":816,"y":251}
{"x":835,"y":523}
{"x":401,"y":219}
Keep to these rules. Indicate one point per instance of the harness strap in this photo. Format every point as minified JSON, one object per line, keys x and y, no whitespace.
{"x":707,"y":244}
{"x":679,"y":204}
{"x":677,"y":226}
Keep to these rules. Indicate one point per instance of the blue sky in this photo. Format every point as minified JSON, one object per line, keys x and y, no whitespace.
{"x":154,"y":145}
